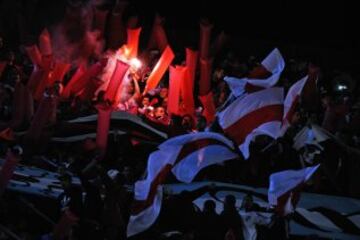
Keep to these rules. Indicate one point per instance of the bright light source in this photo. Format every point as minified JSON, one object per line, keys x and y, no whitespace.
{"x":135,"y":63}
{"x":341,"y":87}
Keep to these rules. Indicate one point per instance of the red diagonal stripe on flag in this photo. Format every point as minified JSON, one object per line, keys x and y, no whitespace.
{"x":187,"y":149}
{"x":245,"y":125}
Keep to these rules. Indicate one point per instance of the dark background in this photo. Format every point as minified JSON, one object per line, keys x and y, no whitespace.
{"x":324,"y":32}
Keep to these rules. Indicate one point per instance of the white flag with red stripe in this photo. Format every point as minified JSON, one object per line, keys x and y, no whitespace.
{"x":198,"y":151}
{"x":184,"y":156}
{"x":273,"y":65}
{"x":255,"y":114}
{"x":285,"y":187}
{"x":144,"y":213}
{"x":291,"y":102}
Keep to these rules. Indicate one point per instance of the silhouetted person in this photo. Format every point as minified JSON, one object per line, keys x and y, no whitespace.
{"x":230,"y":218}
{"x":209,"y":222}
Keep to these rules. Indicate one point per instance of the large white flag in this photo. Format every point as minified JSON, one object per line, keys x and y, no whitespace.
{"x":199,"y":151}
{"x":259,"y":113}
{"x":184,"y":156}
{"x":274,"y":64}
{"x":285,"y":185}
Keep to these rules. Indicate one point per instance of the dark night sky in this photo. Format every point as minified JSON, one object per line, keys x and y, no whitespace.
{"x":306,"y":28}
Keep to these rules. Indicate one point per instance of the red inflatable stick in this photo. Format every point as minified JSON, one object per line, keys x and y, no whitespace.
{"x":100,"y":20}
{"x":177,"y":76}
{"x":116,"y":80}
{"x":45,"y":43}
{"x":209,"y":107}
{"x":77,"y":75}
{"x":34,"y":54}
{"x":159,"y":69}
{"x":205,"y":77}
{"x":116,"y":33}
{"x":158,"y":38}
{"x":187,"y":88}
{"x":133,"y":36}
{"x":205,"y":34}
{"x":93,"y":71}
{"x":103,"y":124}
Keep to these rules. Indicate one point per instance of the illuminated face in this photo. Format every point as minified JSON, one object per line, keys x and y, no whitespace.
{"x":145,"y":101}
{"x":159,"y":112}
{"x":163,"y":92}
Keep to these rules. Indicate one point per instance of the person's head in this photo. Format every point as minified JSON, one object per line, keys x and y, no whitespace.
{"x":145,"y":101}
{"x":187,"y":122}
{"x":247,"y":202}
{"x":201,"y":123}
{"x":159,"y":112}
{"x":209,"y":206}
{"x":163,"y":93}
{"x":229,"y":202}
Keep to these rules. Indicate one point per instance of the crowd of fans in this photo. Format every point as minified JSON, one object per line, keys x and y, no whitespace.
{"x":333,"y":103}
